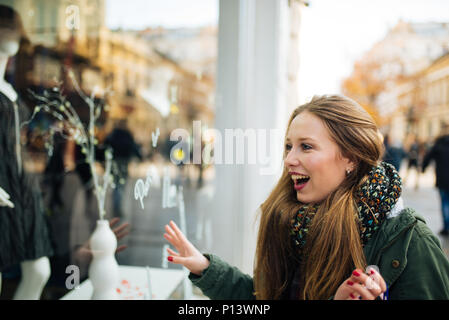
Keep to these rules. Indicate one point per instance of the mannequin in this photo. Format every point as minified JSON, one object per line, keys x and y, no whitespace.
{"x":4,"y":202}
{"x":23,"y":233}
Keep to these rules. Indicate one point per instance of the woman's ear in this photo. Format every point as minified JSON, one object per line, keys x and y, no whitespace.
{"x":350,"y":164}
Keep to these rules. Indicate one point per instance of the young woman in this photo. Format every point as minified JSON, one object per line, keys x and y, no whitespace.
{"x":335,"y":211}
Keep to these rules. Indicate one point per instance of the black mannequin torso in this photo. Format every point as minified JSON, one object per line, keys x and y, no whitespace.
{"x":23,"y":229}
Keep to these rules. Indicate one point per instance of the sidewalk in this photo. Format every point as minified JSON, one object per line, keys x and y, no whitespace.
{"x":425,"y":200}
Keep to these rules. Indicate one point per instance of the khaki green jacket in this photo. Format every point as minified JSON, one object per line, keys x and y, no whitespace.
{"x":407,"y":253}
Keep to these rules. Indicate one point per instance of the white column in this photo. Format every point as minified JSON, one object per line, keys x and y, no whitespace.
{"x":251,"y":91}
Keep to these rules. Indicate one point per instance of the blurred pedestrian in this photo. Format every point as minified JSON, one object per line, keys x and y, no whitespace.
{"x":440,"y":154}
{"x":394,"y":152}
{"x":414,"y":161}
{"x":124,"y":149}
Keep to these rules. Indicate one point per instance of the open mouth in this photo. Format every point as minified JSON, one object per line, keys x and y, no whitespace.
{"x":300,"y":180}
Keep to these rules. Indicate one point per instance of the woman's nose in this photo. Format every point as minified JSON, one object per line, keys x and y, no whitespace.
{"x":291,"y":160}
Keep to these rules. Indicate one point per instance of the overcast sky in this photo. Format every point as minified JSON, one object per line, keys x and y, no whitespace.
{"x":336,"y":33}
{"x":138,"y":14}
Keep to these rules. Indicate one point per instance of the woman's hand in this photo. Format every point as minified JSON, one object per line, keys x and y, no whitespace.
{"x":83,"y":252}
{"x":360,"y":286}
{"x":187,"y":254}
{"x":120,"y":232}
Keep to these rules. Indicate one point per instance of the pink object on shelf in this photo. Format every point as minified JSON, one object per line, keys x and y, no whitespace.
{"x":131,"y":291}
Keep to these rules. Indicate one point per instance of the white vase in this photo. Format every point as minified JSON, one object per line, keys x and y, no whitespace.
{"x":104,"y":270}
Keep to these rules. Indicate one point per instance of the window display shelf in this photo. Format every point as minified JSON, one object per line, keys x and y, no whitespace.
{"x":164,"y":283}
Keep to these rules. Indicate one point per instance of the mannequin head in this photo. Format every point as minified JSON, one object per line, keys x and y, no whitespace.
{"x":12,"y":32}
{"x":9,"y":42}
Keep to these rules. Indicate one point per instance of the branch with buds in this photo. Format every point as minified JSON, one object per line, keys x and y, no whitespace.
{"x":55,"y":103}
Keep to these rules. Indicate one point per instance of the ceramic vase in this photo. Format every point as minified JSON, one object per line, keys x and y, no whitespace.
{"x":104,"y":270}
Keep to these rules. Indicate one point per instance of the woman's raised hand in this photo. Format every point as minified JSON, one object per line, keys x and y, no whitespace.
{"x":360,"y":286}
{"x":187,"y":254}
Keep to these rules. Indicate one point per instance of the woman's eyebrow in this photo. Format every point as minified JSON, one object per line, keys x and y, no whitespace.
{"x":301,"y":139}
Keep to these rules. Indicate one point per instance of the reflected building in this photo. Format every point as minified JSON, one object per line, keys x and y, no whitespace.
{"x":63,"y":33}
{"x":158,"y":78}
{"x":152,"y":88}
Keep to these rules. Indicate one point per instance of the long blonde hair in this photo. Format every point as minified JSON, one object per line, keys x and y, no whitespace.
{"x":333,"y":242}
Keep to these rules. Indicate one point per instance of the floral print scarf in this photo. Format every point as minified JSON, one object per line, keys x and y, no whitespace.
{"x":375,"y":200}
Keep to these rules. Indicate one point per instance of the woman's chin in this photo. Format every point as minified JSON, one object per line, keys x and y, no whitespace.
{"x":300,"y":197}
{"x":305,"y":199}
{"x":308,"y":200}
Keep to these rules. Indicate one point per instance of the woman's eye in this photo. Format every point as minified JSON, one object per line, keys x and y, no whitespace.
{"x":305,"y":146}
{"x":288,"y":147}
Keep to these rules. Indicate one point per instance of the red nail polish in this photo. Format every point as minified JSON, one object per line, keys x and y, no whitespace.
{"x":355,"y":273}
{"x":371,"y":272}
{"x":170,"y":258}
{"x":352,"y":296}
{"x":350,"y":283}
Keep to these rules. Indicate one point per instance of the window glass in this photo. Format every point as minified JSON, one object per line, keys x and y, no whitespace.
{"x":141,"y":70}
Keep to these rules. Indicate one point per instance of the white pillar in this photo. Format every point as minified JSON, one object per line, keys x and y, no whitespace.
{"x":251,"y":90}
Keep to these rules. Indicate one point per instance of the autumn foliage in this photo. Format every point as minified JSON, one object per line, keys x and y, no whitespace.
{"x":364,"y":85}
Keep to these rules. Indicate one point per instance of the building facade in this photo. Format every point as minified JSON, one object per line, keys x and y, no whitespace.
{"x":422,"y":102}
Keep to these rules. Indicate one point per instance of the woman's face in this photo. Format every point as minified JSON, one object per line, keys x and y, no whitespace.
{"x":313,"y":159}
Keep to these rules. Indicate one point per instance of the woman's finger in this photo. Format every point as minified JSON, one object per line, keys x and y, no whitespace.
{"x":349,"y":291}
{"x":121,"y":235}
{"x":171,"y":252}
{"x":170,"y":239}
{"x":362,"y":291}
{"x":113,"y":221}
{"x":171,"y":233}
{"x":353,"y":296}
{"x":358,"y":276}
{"x":377,"y":278}
{"x":174,"y":242}
{"x":367,"y":286}
{"x":373,"y":282}
{"x":373,"y":287}
{"x":177,"y":260}
{"x":121,"y":248}
{"x":178,"y":232}
{"x":122,"y":227}
{"x":364,"y":285}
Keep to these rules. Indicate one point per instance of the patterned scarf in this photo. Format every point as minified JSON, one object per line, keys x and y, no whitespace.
{"x":375,"y":199}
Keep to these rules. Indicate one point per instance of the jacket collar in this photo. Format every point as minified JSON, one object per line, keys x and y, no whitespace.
{"x":389,"y":233}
